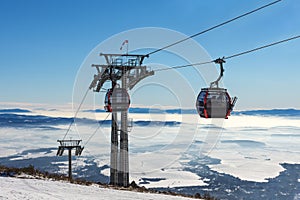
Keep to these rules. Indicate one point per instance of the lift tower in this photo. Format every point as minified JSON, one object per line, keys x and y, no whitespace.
{"x":69,"y":145}
{"x":123,"y":71}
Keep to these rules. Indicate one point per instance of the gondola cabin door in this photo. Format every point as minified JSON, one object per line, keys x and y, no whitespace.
{"x":116,"y":100}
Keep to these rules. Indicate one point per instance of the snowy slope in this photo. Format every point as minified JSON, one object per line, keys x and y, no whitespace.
{"x":15,"y":188}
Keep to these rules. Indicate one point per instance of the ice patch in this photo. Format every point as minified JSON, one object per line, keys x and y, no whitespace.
{"x":171,"y":178}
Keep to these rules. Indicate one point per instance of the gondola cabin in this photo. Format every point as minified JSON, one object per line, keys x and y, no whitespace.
{"x":214,"y":103}
{"x":116,"y":100}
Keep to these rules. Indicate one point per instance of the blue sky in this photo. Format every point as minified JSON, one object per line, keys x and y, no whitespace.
{"x":43,"y":44}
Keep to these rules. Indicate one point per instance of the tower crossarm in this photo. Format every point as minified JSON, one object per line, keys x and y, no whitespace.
{"x":139,"y":74}
{"x":100,"y":78}
{"x":115,"y":65}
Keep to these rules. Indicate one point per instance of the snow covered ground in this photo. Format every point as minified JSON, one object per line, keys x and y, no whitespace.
{"x":33,"y":189}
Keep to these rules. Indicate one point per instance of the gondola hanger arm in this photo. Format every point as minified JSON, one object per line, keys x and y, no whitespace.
{"x":215,"y":83}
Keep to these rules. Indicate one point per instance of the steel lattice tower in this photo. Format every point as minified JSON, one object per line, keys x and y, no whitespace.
{"x":128,"y":70}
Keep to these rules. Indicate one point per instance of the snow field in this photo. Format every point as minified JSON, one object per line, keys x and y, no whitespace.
{"x":33,"y":189}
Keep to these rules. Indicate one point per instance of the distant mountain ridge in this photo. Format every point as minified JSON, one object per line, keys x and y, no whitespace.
{"x":17,"y":117}
{"x":152,"y":110}
{"x":47,"y":122}
{"x":14,"y":110}
{"x":290,"y":112}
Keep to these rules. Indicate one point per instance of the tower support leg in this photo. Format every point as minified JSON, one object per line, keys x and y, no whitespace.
{"x":124,"y":161}
{"x":114,"y":151}
{"x":70,"y":164}
{"x":114,"y":148}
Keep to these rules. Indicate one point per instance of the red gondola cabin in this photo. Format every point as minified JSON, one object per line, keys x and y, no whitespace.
{"x":214,"y":103}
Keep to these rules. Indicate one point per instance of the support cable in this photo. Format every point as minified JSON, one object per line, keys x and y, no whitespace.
{"x":262,"y":47}
{"x":100,"y":124}
{"x":182,"y":66}
{"x":76,"y":113}
{"x":214,"y":27}
{"x":232,"y":56}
